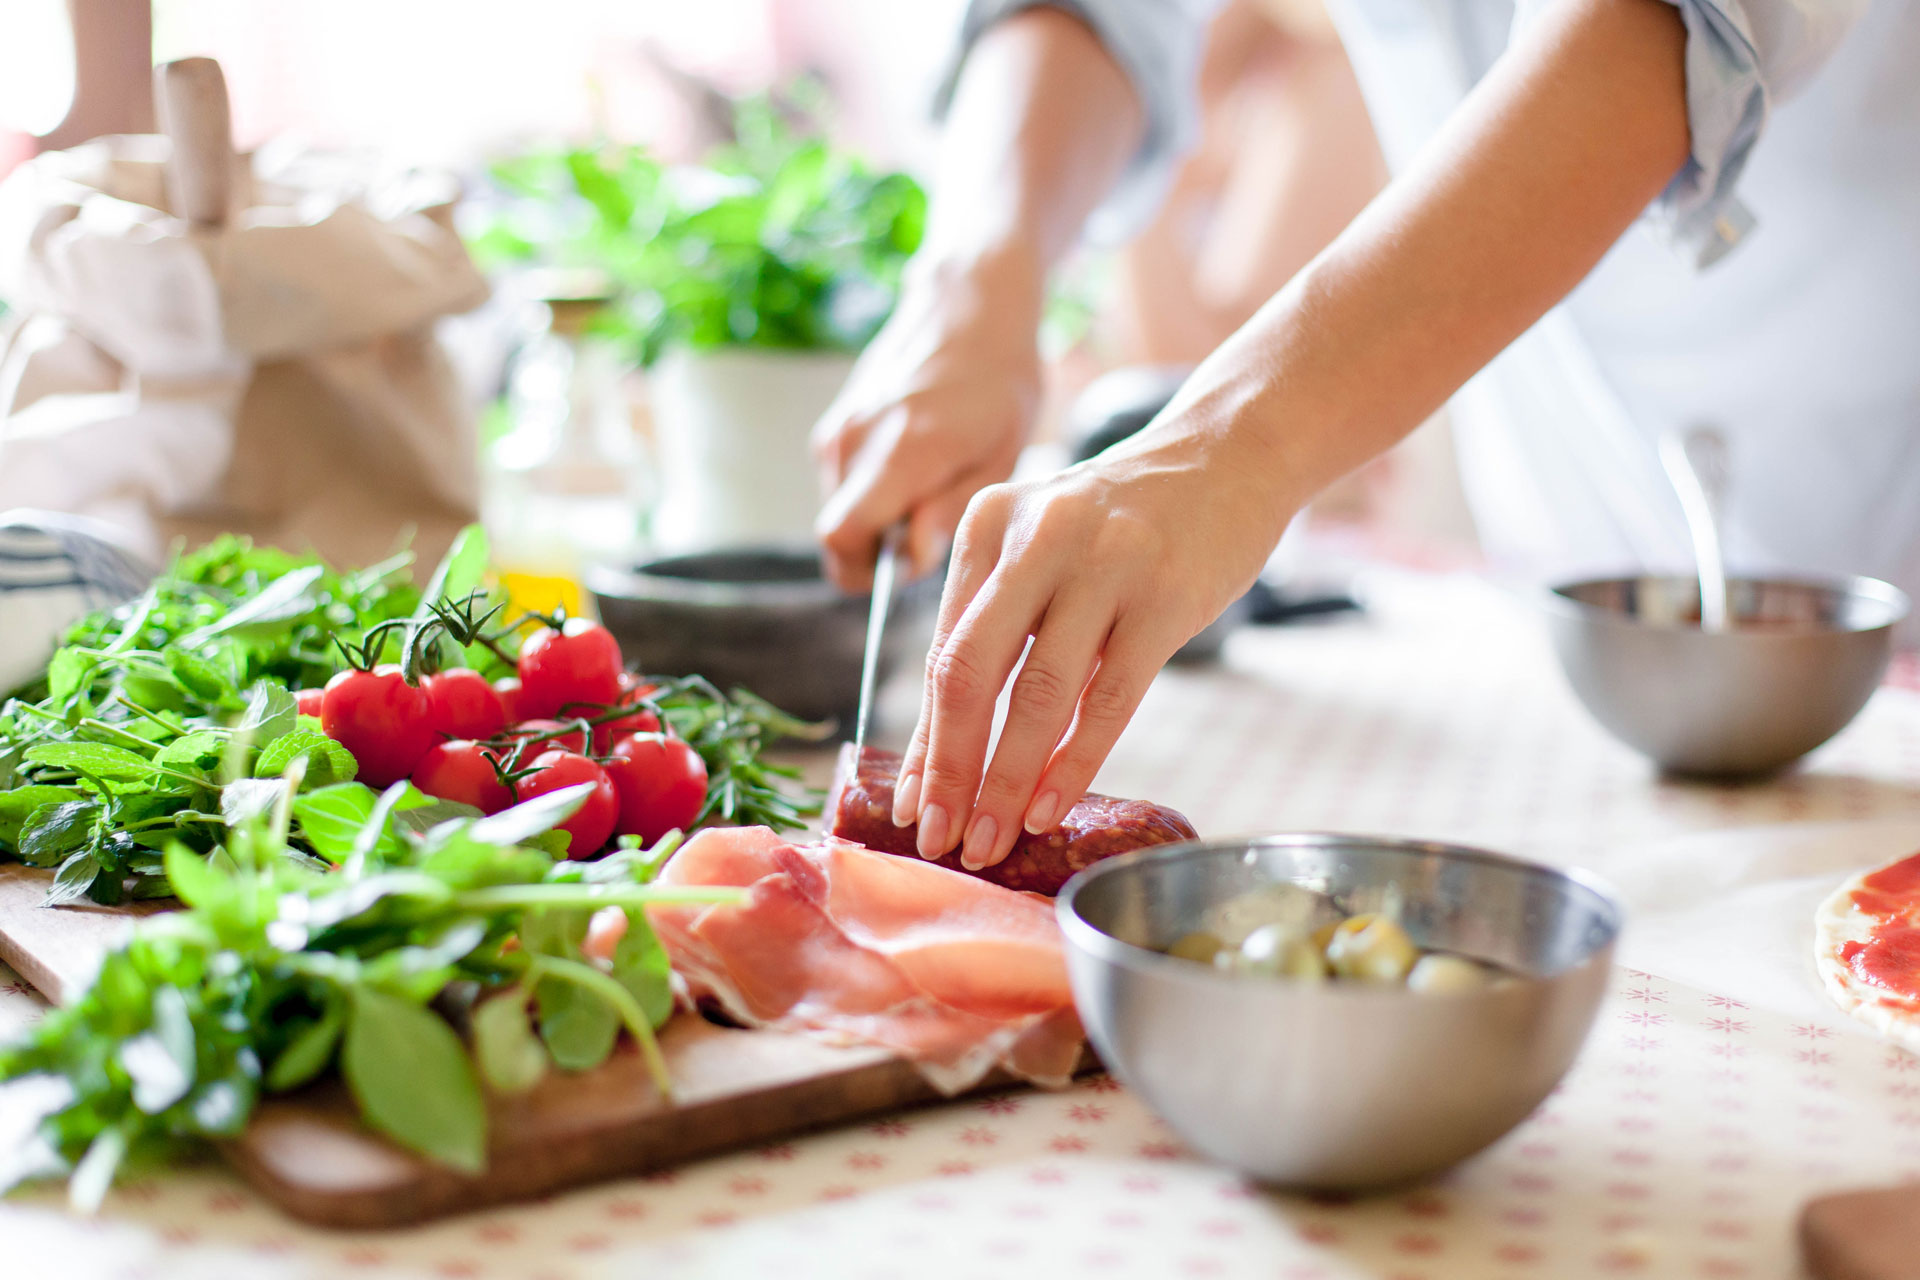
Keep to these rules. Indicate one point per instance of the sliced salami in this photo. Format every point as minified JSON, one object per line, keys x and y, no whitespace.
{"x":861,"y":805}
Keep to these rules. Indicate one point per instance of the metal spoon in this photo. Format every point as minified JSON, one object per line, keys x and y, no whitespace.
{"x":1697,"y":465}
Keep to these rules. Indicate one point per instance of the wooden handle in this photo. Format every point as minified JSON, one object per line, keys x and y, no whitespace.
{"x":1863,"y":1235}
{"x":190,"y":98}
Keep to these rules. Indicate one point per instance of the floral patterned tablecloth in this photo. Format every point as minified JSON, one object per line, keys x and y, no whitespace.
{"x":1681,"y":1145}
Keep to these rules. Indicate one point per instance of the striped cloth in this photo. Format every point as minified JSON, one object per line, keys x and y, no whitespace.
{"x":53,"y":569}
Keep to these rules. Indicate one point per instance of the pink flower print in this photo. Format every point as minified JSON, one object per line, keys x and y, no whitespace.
{"x":1812,"y":1031}
{"x":1087,"y":1113}
{"x":1067,"y":1144}
{"x":1000,"y":1105}
{"x":1725,"y":1002}
{"x":1728,"y":1025}
{"x":978,"y":1135}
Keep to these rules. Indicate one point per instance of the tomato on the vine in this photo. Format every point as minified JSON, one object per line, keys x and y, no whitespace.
{"x":531,"y":737}
{"x":381,"y":719}
{"x":464,"y":771}
{"x":661,"y":782}
{"x":507,"y":688}
{"x":640,"y":719}
{"x":308,"y":701}
{"x":462,"y":704}
{"x":591,"y":826}
{"x":580,"y":663}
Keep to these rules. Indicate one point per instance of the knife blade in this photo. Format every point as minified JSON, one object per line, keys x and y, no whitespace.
{"x":885,"y":570}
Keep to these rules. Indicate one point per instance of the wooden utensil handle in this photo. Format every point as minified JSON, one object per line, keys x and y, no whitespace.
{"x":190,"y":98}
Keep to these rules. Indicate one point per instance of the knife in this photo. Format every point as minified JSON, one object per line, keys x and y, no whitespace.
{"x":885,"y":569}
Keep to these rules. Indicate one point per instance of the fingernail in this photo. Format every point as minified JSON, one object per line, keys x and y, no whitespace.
{"x":979,"y":847}
{"x":906,"y":800}
{"x":1040,"y":813}
{"x":933,"y":833}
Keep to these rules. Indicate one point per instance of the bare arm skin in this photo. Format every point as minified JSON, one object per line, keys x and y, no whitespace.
{"x":1114,"y":563}
{"x":1042,"y":123}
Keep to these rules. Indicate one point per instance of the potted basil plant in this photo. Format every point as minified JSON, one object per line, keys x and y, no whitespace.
{"x":745,"y":284}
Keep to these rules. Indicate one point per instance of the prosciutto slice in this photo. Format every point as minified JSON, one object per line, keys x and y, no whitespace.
{"x":958,"y":975}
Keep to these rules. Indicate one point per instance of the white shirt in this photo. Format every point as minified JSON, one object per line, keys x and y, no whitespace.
{"x":1773,"y":290}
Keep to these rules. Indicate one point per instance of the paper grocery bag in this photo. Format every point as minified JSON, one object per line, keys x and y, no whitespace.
{"x":275,"y":375}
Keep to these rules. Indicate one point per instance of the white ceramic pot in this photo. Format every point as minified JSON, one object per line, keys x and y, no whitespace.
{"x":731,"y":430}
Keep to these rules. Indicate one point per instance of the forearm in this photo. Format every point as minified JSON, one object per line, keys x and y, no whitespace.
{"x":1042,"y":123}
{"x":1547,"y":163}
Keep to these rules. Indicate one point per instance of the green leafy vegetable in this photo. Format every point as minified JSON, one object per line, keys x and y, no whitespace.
{"x":278,"y":968}
{"x":778,"y":240}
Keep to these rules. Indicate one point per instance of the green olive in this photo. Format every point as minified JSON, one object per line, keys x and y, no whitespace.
{"x":1281,"y":952}
{"x":1198,"y":946}
{"x":1445,"y":973}
{"x":1371,"y":948}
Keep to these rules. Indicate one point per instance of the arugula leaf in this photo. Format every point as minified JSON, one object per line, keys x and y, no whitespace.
{"x":271,"y":713}
{"x":285,"y":597}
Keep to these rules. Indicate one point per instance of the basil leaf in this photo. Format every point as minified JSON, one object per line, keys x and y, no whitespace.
{"x":308,"y":1053}
{"x":17,"y":806}
{"x":97,"y":758}
{"x":53,"y":831}
{"x":511,"y":1057}
{"x":579,"y":1027}
{"x":198,"y":750}
{"x":198,"y":881}
{"x":73,"y":880}
{"x":410,"y":1075}
{"x":641,"y":965}
{"x":327,"y":761}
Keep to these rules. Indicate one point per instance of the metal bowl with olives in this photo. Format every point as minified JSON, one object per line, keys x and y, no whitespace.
{"x":1281,"y":932}
{"x":1337,"y":1012}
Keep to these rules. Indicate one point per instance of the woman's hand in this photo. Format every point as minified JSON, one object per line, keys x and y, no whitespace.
{"x":1109,"y":566}
{"x":938,"y":407}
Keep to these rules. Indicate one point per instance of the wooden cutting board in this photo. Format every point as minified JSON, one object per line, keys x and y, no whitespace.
{"x":309,"y":1154}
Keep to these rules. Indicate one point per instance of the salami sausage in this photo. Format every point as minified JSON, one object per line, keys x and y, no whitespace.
{"x":1098,"y":827}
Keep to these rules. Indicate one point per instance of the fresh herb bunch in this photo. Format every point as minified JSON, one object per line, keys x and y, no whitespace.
{"x":777,"y":240}
{"x":134,"y":751}
{"x":256,"y":612}
{"x":169,"y":720}
{"x":279,"y":969}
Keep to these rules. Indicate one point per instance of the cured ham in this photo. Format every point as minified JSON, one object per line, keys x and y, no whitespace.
{"x":954,"y":973}
{"x":1098,"y":827}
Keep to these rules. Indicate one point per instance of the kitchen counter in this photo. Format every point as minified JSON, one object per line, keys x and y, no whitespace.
{"x":1716,"y":1094}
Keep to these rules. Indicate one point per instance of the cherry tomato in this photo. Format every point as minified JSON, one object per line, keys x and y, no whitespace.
{"x":462,"y":770}
{"x":381,"y":719}
{"x":589,"y":829}
{"x":463,"y":705}
{"x":639,"y":720}
{"x":309,"y":700}
{"x":662,"y":784}
{"x":508,"y":689}
{"x":580,"y":663}
{"x":535,"y":736}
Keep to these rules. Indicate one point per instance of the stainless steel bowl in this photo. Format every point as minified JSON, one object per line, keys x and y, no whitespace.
{"x":763,"y":617}
{"x":1335,"y":1086}
{"x":1800,"y":662}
